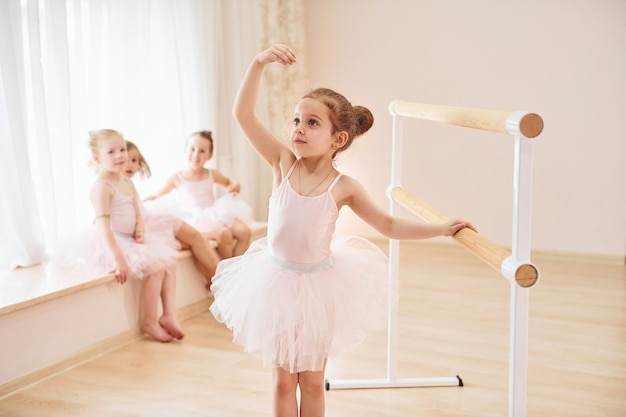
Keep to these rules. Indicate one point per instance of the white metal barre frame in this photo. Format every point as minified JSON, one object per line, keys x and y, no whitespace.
{"x":522,"y":125}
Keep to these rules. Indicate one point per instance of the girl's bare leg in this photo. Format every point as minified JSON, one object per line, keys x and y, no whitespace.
{"x":204,"y":255}
{"x":168,"y":297}
{"x":285,"y":402}
{"x":312,"y":398}
{"x":224,"y":238}
{"x":150,"y":295}
{"x":242,"y":234}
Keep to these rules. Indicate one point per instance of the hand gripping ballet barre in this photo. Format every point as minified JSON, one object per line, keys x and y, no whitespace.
{"x":515,"y":266}
{"x":524,"y":273}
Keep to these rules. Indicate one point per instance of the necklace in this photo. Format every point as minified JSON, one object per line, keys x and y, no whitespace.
{"x":316,"y":187}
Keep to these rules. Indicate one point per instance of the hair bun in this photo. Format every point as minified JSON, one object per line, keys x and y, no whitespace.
{"x":364,"y":119}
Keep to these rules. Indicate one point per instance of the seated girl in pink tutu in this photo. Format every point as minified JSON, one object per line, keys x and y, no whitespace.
{"x":204,"y":255}
{"x":225,"y":219}
{"x":119,"y":243}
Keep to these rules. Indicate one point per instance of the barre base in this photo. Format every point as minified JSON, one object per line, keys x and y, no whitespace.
{"x":453,"y":381}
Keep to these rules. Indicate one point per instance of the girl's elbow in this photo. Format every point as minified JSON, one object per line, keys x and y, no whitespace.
{"x":240,"y":115}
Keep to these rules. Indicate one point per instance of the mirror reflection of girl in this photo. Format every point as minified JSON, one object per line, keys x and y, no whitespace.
{"x":225,"y":219}
{"x":205,"y":257}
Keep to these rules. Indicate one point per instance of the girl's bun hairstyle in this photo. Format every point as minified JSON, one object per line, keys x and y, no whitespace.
{"x":364,"y":119}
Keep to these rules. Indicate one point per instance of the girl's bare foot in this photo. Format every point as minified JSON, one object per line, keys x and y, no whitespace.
{"x":157,"y":332}
{"x":170,"y":324}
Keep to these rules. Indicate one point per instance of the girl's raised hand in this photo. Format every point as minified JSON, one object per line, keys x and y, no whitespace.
{"x":277,"y":53}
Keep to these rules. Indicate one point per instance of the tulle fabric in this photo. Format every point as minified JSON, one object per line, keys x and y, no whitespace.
{"x":86,"y":250}
{"x":222,"y":213}
{"x":296,"y":316}
{"x":160,"y":220}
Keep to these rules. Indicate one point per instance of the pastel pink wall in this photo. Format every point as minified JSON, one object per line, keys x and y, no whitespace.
{"x":564,"y":59}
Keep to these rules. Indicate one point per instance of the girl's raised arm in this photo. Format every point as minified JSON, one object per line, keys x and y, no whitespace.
{"x":270,"y":148}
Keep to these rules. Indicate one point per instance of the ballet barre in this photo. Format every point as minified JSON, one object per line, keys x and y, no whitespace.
{"x":524,"y":274}
{"x":530,"y":125}
{"x":515,"y":265}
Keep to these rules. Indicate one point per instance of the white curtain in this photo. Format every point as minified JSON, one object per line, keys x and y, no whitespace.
{"x":156,"y":70}
{"x":21,"y":242}
{"x":248,"y":26}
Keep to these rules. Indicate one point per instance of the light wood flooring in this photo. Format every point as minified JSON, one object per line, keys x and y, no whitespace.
{"x":454,"y":320}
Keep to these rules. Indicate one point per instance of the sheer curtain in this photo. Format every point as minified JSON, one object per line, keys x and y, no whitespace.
{"x":21,"y":233}
{"x":247,"y":27}
{"x":156,"y":70}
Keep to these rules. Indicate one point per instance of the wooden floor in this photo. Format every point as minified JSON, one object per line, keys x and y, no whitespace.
{"x":454,"y":320}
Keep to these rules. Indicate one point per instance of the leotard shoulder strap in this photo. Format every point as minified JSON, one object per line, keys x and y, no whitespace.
{"x":332,"y":184}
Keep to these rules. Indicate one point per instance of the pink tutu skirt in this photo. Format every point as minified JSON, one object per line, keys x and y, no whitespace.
{"x":222,"y":213}
{"x":87,"y":251}
{"x":295,"y":316}
{"x":159,"y":220}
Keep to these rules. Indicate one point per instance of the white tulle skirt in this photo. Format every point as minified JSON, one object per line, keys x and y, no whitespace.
{"x":86,"y":251}
{"x":222,"y":213}
{"x":295,"y":317}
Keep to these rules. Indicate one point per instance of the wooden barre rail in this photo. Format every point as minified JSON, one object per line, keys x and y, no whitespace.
{"x":527,"y":124}
{"x":493,"y":255}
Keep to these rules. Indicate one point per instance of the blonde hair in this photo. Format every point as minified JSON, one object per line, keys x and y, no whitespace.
{"x":144,"y":168}
{"x":95,"y":136}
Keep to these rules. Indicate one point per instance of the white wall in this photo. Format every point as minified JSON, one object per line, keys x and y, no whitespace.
{"x":563,"y":59}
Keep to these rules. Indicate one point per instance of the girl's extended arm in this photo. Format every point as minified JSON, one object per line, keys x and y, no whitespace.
{"x":230,"y":184}
{"x":169,"y":185}
{"x":270,"y":148}
{"x":358,"y":199}
{"x":101,"y":195}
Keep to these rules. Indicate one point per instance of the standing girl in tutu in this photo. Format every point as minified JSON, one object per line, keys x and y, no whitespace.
{"x":204,"y":256}
{"x":120,"y":244}
{"x":224,"y":219}
{"x":299,"y":296}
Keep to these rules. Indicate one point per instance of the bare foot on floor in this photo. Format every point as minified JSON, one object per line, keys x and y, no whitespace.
{"x":157,"y":332}
{"x":170,"y":324}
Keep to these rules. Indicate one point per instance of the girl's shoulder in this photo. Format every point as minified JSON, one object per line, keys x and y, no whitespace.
{"x":346,"y":187}
{"x":101,"y":189}
{"x":128,"y":186}
{"x":102,"y":186}
{"x":285,"y":166}
{"x":215,"y":174}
